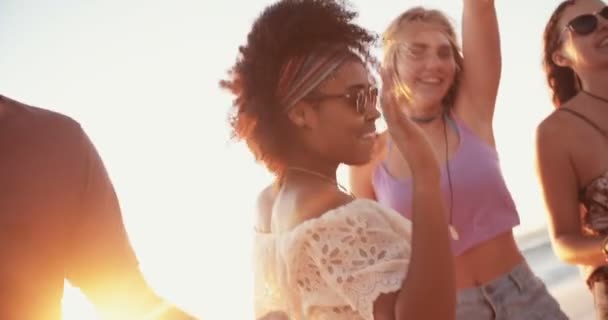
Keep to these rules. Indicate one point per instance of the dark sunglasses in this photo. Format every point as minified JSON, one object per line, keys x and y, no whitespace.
{"x":362,"y":99}
{"x":586,"y":23}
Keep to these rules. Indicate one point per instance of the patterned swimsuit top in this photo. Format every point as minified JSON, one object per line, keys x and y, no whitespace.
{"x":594,"y":196}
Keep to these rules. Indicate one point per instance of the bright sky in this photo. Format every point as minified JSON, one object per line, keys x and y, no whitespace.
{"x":141,"y":76}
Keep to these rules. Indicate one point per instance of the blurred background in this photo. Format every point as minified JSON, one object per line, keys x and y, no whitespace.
{"x":141,"y":77}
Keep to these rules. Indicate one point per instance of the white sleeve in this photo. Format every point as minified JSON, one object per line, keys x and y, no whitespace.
{"x":350,"y":256}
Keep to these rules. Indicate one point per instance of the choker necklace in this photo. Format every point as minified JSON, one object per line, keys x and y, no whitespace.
{"x":424,"y":120}
{"x":323,"y":177}
{"x":596,"y":97}
{"x":428,"y":119}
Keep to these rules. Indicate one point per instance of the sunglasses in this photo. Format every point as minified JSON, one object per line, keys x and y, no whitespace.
{"x":361,"y":99}
{"x":586,"y":23}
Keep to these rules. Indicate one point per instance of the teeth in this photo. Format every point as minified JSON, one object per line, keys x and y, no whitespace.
{"x":369,"y":135}
{"x":430,"y":80}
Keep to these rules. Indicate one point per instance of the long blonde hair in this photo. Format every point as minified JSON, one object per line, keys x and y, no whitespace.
{"x":396,"y":30}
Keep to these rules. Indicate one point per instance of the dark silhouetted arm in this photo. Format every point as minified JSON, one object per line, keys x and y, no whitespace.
{"x":101,"y":261}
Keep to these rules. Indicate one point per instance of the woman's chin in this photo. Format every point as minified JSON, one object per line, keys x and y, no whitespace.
{"x":358,"y":162}
{"x":360,"y":159}
{"x":429,"y":99}
{"x":427,"y":108}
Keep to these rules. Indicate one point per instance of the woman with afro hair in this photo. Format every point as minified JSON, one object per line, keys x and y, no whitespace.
{"x":304,"y":103}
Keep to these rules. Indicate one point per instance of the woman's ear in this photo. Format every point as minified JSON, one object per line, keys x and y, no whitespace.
{"x":560,"y":59}
{"x":298,"y":115}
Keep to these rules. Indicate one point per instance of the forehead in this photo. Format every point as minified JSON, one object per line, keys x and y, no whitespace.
{"x":426,"y":38}
{"x":351,"y":73}
{"x":578,"y":8}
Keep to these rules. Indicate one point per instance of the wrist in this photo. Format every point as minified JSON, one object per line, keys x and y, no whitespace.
{"x":427,"y":179}
{"x":425,"y":168}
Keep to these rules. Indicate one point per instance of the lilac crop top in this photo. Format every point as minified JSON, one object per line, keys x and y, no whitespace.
{"x":482,"y":206}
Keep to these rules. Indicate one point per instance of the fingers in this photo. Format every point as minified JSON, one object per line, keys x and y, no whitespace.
{"x":390,"y":102}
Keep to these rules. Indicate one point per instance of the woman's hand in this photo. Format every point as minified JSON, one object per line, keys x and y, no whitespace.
{"x":409,"y":138}
{"x":392,"y":97}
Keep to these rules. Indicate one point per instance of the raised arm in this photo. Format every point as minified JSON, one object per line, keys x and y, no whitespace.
{"x":431,"y":271}
{"x":101,"y":261}
{"x":560,"y":190}
{"x":482,"y":63}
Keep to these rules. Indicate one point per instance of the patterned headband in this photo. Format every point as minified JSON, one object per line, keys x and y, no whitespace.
{"x":302,"y":74}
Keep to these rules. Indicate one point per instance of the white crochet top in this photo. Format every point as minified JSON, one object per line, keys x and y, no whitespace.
{"x":334,"y":266}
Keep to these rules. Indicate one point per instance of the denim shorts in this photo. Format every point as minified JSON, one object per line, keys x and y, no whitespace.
{"x":598,"y":284}
{"x":518,"y":295}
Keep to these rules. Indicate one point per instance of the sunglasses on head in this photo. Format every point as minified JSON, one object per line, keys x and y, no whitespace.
{"x":360,"y":98}
{"x":586,"y":23}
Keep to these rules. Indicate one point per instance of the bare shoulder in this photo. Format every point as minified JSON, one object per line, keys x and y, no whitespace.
{"x":264,"y":204}
{"x":548,"y":126}
{"x":313,"y":203}
{"x":556,"y":137}
{"x":553,"y":127}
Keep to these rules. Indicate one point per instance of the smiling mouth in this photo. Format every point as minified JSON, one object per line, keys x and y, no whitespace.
{"x":430,"y":80}
{"x":369,"y":136}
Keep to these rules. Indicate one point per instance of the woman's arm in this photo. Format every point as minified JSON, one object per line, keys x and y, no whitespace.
{"x":560,"y":189}
{"x":431,"y":271}
{"x":101,"y":260}
{"x":482,"y":64}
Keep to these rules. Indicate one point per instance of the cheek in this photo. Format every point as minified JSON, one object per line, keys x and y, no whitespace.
{"x":341,"y":132}
{"x":408,"y":71}
{"x":451,"y":72}
{"x":449,"y":66}
{"x":572,"y":50}
{"x":331,"y":130}
{"x":580,"y":50}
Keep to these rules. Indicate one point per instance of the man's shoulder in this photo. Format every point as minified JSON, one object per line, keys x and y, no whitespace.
{"x":38,"y":119}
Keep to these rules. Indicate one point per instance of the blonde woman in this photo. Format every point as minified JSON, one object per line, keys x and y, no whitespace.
{"x":451,"y":95}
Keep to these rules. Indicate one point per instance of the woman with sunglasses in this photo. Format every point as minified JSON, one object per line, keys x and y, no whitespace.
{"x":452,"y":96}
{"x":572,"y":142}
{"x":304,"y":103}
